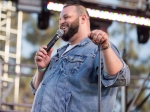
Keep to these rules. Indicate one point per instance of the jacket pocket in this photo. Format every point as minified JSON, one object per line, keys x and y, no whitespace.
{"x":72,"y":64}
{"x":52,"y":62}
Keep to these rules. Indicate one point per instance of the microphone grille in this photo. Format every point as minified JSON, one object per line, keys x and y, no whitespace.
{"x":60,"y":32}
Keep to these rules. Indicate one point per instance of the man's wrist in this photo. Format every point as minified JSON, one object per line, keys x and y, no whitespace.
{"x":104,"y":48}
{"x":41,"y":69}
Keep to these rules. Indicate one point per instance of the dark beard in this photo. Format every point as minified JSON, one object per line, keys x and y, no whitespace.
{"x":72,"y":30}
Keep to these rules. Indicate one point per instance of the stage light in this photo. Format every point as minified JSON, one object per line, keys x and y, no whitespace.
{"x":55,"y":6}
{"x":107,"y":15}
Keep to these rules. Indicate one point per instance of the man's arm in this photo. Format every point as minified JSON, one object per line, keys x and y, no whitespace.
{"x":37,"y":78}
{"x":114,"y":70}
{"x":112,"y":63}
{"x":121,"y":78}
{"x":42,"y":59}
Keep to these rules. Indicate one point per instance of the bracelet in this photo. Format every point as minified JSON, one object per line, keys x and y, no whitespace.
{"x":104,"y":48}
{"x":41,"y":69}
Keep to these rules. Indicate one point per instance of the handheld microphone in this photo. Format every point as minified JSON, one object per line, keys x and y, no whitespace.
{"x":58,"y":34}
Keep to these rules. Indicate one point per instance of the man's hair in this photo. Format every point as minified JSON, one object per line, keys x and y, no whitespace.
{"x":79,"y":8}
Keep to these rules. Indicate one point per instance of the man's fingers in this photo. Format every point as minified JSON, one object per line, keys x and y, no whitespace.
{"x":44,"y":46}
{"x":40,"y":54}
{"x":38,"y":58}
{"x":50,"y":51}
{"x":43,"y":50}
{"x":94,"y":34}
{"x":98,"y":37}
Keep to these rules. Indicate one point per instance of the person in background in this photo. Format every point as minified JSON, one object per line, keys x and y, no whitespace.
{"x":68,"y":81}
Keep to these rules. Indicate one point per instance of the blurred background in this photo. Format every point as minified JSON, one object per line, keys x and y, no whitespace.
{"x":25,"y":25}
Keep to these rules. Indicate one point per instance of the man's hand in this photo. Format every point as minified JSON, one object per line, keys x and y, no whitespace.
{"x":99,"y":37}
{"x":42,"y":58}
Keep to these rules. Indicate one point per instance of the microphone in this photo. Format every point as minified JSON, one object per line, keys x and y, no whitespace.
{"x":58,"y":34}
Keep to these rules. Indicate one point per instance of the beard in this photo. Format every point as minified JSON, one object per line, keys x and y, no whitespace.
{"x":72,"y":30}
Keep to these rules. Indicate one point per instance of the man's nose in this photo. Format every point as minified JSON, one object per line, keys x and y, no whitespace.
{"x":61,"y":21}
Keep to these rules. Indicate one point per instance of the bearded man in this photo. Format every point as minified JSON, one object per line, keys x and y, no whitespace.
{"x":68,"y":81}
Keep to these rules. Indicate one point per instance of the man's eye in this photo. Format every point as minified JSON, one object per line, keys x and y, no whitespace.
{"x":66,"y":17}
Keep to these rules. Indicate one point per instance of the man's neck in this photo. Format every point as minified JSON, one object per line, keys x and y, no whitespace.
{"x":78,"y":38}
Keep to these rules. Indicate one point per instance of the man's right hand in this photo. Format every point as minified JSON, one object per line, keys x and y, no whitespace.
{"x":42,"y":58}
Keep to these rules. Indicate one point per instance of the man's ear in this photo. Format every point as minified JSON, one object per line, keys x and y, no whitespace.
{"x":83,"y":19}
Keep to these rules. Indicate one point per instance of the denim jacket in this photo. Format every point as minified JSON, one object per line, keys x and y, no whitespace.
{"x":70,"y":83}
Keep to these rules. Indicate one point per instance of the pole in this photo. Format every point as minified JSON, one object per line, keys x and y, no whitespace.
{"x":99,"y":81}
{"x":0,"y":81}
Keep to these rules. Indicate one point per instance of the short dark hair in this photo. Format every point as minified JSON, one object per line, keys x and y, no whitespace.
{"x":80,"y":9}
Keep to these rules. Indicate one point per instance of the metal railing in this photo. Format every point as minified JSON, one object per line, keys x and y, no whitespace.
{"x":12,"y":105}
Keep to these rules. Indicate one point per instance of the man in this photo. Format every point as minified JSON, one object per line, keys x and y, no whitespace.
{"x":68,"y":82}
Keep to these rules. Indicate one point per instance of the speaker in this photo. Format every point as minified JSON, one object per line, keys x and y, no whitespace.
{"x":43,"y":16}
{"x":143,"y":34}
{"x":43,"y":19}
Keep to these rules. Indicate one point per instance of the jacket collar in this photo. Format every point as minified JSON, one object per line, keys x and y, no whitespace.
{"x":80,"y":44}
{"x":84,"y":42}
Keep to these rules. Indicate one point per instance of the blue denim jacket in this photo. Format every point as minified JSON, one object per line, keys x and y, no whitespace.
{"x":70,"y":83}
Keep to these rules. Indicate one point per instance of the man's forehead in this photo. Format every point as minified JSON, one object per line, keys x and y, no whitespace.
{"x":68,"y":10}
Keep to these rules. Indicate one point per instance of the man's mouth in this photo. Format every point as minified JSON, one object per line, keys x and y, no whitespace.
{"x":64,"y":28}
